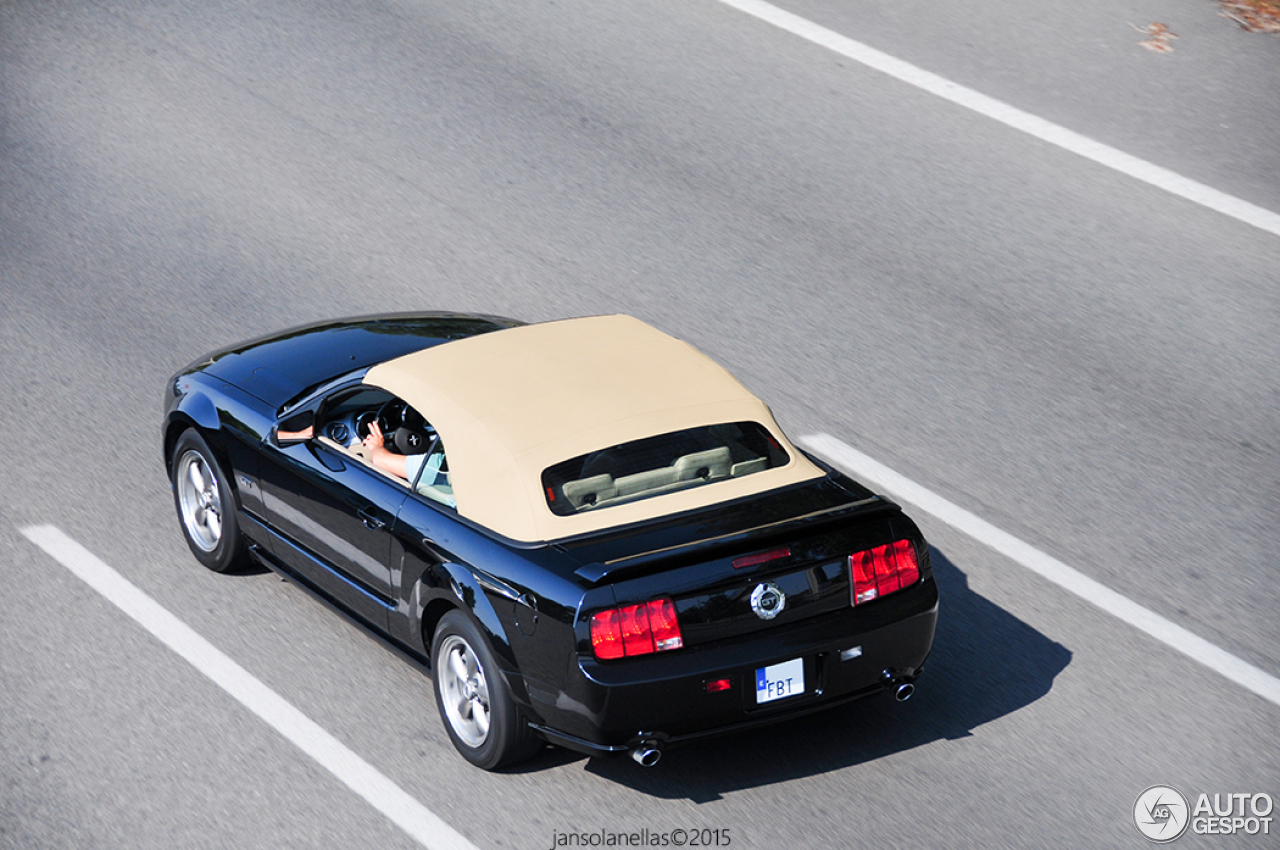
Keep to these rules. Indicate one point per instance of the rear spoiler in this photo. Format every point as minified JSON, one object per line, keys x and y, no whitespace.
{"x":597,"y":572}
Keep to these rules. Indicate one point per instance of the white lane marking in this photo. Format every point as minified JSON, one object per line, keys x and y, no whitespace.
{"x":1011,"y":116}
{"x":1047,"y":566}
{"x":357,"y":774}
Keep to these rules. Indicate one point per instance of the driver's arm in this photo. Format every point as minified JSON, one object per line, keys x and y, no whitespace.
{"x":305,"y":434}
{"x":381,"y":457}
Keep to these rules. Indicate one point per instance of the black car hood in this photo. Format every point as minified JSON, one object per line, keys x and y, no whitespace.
{"x":279,"y":367}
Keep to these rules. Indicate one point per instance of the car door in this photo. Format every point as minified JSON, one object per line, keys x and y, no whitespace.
{"x":522,"y":606}
{"x":333,"y":512}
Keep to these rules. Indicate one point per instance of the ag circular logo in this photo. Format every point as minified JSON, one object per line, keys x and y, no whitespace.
{"x":768,"y":600}
{"x":1161,"y":813}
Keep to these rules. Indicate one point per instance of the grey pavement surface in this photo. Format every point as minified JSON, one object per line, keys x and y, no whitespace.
{"x":1207,"y":109}
{"x":1081,"y":360}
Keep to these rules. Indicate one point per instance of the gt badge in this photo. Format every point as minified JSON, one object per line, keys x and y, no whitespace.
{"x":768,"y":600}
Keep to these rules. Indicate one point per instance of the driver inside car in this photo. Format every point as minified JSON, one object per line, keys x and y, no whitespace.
{"x":428,"y":469}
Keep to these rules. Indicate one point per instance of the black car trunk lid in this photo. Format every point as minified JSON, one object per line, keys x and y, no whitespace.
{"x":751,"y":567}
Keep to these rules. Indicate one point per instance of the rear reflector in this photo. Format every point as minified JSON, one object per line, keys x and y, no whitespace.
{"x":719,"y":685}
{"x":883,"y":570}
{"x":635,"y":630}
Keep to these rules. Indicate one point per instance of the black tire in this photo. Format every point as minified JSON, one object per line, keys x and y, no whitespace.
{"x":206,"y":507}
{"x":475,"y":704}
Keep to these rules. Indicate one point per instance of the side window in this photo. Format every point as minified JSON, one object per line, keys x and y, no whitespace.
{"x":429,"y":473}
{"x":344,"y":417}
{"x":410,"y":450}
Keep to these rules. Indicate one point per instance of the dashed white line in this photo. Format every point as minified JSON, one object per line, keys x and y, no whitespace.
{"x":1162,"y":629}
{"x":419,"y":822}
{"x":1011,"y":116}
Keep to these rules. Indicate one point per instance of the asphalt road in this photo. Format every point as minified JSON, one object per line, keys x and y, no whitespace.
{"x":1082,"y":360}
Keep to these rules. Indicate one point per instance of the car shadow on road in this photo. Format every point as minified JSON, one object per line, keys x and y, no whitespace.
{"x":253,"y":568}
{"x":986,"y":663}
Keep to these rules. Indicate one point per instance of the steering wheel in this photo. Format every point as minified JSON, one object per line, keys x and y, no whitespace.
{"x":389,"y":417}
{"x":362,"y":422}
{"x":408,"y":432}
{"x":403,"y":429}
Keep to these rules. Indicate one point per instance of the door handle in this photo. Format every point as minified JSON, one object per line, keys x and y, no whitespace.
{"x":370,"y":521}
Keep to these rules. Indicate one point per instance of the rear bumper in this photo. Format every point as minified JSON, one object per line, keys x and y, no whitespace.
{"x":846,"y":655}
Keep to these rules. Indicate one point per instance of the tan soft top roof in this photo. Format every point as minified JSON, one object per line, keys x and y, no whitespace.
{"x":510,"y":403}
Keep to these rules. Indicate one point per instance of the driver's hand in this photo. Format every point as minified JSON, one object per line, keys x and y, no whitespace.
{"x":373,"y":439}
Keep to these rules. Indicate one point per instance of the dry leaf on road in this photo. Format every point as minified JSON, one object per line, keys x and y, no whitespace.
{"x":1158,"y":38}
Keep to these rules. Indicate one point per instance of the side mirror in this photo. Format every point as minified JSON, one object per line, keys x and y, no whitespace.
{"x":296,"y":429}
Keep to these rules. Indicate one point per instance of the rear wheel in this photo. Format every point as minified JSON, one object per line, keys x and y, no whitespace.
{"x":483,"y":721}
{"x":206,"y":508}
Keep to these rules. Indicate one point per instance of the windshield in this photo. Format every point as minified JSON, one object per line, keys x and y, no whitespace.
{"x":661,"y":464}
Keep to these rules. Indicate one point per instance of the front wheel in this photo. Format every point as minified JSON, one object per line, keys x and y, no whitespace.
{"x":205,"y":505}
{"x":484,"y":723}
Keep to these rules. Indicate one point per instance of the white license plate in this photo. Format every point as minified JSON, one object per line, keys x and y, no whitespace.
{"x":780,"y":680}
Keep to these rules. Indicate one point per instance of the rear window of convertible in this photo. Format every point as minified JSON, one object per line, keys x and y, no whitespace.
{"x":661,"y":464}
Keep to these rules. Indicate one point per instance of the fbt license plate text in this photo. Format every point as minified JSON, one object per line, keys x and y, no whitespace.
{"x":780,"y":680}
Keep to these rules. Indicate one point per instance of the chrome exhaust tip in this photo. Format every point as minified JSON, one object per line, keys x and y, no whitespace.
{"x":903,"y":692}
{"x":647,"y":754}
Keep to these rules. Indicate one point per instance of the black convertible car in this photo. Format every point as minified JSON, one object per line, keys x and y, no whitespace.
{"x":594,"y":535}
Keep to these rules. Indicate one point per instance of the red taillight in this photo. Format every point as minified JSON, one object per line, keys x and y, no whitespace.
{"x":637,"y":638}
{"x":864,"y":577}
{"x":908,"y":567}
{"x":883,"y":570}
{"x":606,"y":634}
{"x":636,"y":630}
{"x":666,"y":628}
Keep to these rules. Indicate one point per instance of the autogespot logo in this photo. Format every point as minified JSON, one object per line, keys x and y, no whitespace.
{"x":1161,"y":813}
